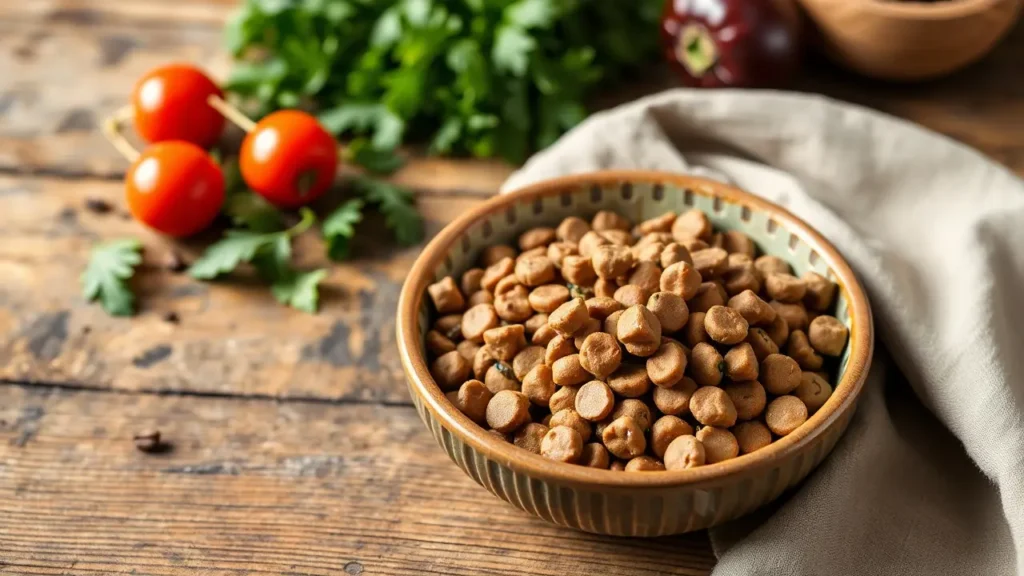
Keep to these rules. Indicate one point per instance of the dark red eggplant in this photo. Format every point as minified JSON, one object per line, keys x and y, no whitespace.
{"x":732,"y":43}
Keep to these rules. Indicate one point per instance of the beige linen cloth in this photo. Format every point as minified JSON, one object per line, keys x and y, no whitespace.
{"x":929,"y":478}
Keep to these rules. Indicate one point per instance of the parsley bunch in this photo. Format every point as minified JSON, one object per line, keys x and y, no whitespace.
{"x":483,"y":77}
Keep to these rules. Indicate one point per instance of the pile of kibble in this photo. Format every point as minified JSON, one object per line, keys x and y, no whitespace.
{"x":662,"y":346}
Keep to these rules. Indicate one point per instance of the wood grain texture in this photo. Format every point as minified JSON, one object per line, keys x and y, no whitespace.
{"x":232,"y":338}
{"x":259,"y":487}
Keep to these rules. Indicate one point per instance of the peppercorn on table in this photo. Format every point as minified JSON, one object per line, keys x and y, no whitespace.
{"x":288,"y":443}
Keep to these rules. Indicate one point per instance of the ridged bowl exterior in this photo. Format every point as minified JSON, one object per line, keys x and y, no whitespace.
{"x":619,"y":503}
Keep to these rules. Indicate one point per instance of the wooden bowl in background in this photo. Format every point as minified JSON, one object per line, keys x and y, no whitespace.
{"x":623,"y":503}
{"x":896,"y":40}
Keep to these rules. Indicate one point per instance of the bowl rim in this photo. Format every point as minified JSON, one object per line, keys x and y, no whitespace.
{"x":844,"y":396}
{"x":917,"y":10}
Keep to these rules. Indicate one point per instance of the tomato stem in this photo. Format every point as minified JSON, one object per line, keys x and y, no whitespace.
{"x":231,"y":113}
{"x":112,"y":131}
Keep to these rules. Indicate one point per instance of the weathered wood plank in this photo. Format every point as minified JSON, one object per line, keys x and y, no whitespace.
{"x":260,"y":487}
{"x":232,"y":338}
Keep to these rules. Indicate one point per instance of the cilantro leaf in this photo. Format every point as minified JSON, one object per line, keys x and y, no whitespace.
{"x":339,"y":228}
{"x":252,"y":211}
{"x":397,"y":206}
{"x":511,"y":52}
{"x":226,"y":254}
{"x":361,"y":152}
{"x":110,"y":266}
{"x":531,"y":13}
{"x":299,"y":289}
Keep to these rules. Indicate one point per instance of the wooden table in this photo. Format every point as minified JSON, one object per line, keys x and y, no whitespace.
{"x":295,"y":447}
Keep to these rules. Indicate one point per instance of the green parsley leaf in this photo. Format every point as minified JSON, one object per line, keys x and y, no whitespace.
{"x":252,"y":211}
{"x":240,"y":246}
{"x":105,"y":277}
{"x":397,"y":206}
{"x":531,"y":13}
{"x":512,"y":49}
{"x":339,"y":228}
{"x":299,"y":290}
{"x":361,"y":152}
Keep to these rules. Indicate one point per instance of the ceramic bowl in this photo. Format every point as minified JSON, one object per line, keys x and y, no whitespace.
{"x":897,"y":40}
{"x":621,"y":503}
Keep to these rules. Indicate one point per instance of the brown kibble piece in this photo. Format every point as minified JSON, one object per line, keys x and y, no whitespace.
{"x":562,"y":444}
{"x":529,"y":437}
{"x":799,"y":348}
{"x":754,"y":310}
{"x":706,"y":365}
{"x":624,"y":438}
{"x":579,"y":270}
{"x":500,"y":436}
{"x":591,"y":326}
{"x":617,"y":466}
{"x":684,"y":452}
{"x":748,"y":398}
{"x":539,"y":385}
{"x":813,"y":391}
{"x":780,"y":374}
{"x":468,"y":349}
{"x":595,"y":455}
{"x":666,"y":367}
{"x":536,"y":237}
{"x":709,"y":294}
{"x":571,"y":418}
{"x":526,"y":360}
{"x":795,"y":316}
{"x":569,"y":317}
{"x":557,"y":251}
{"x":446,"y":296}
{"x":567,"y":371}
{"x":563,"y":399}
{"x":785,"y":414}
{"x":631,"y":295}
{"x":590,"y":243}
{"x":630,"y":381}
{"x":600,"y":354}
{"x":611,"y":323}
{"x":494,"y":254}
{"x":690,"y":225}
{"x":648,"y":252}
{"x":695,"y":244}
{"x":438,"y":344}
{"x":472,"y":399}
{"x":644,"y":464}
{"x":670,"y":309}
{"x":608,"y":220}
{"x":785,"y":287}
{"x":535,"y":270}
{"x":482,"y":361}
{"x":638,"y":410}
{"x":828,"y":335}
{"x":600,"y":308}
{"x":741,"y":363}
{"x":751,"y":436}
{"x":477,"y":320}
{"x":734,"y":241}
{"x":778,"y":330}
{"x":507,"y":411}
{"x":710,"y":261}
{"x":675,"y":400}
{"x":761,"y":343}
{"x":725,"y":325}
{"x":820,"y":291}
{"x":719,"y":444}
{"x":612,"y":261}
{"x":681,"y":278}
{"x":480,"y":297}
{"x":513,"y":306}
{"x":506,"y":341}
{"x":559,"y":347}
{"x":646,"y":275}
{"x":617,"y":237}
{"x":739,"y":281}
{"x":506,"y":284}
{"x":766,"y":265}
{"x":663,"y":238}
{"x":661,"y":223}
{"x":495,"y":272}
{"x":638,"y":325}
{"x":450,"y":370}
{"x":605,"y":288}
{"x":595,"y":401}
{"x":674,"y":253}
{"x":693,"y":332}
{"x":535,"y":322}
{"x":711,"y":406}
{"x":471,"y":280}
{"x":544,"y":335}
{"x":665,"y":430}
{"x":572,"y":229}
{"x":548,"y":298}
{"x":500,"y":377}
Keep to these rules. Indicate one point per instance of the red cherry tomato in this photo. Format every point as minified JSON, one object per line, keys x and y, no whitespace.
{"x":289,"y":159}
{"x":170,"y":104}
{"x":175,"y":187}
